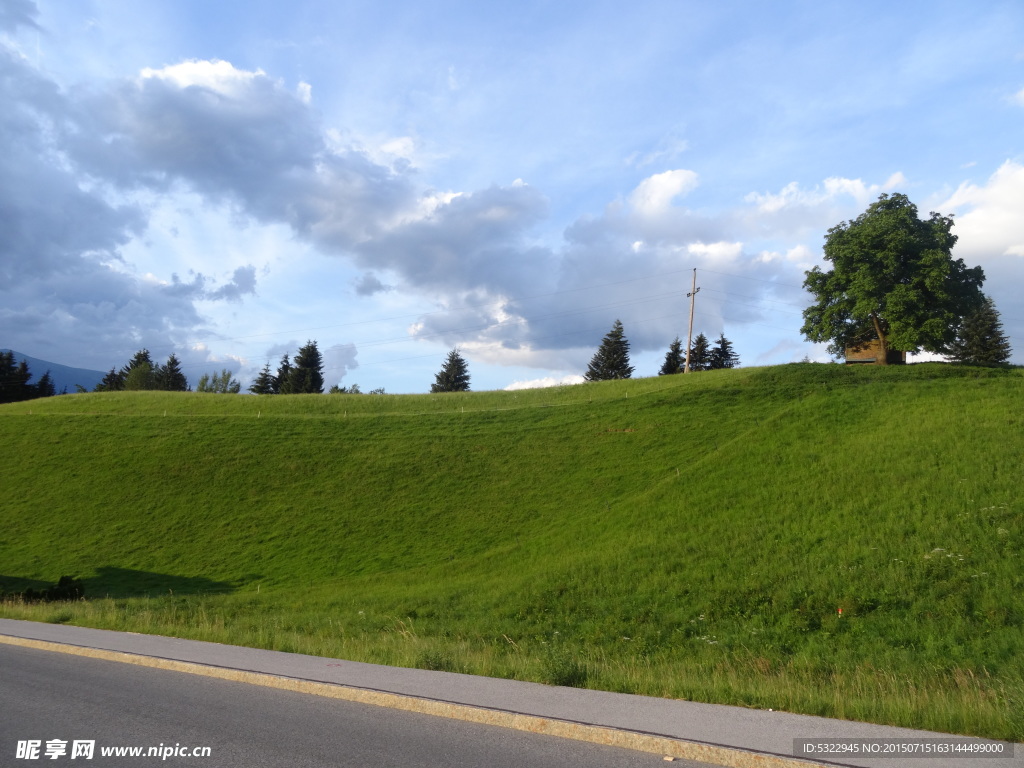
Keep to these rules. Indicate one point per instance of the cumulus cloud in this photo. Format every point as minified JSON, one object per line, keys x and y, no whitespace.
{"x":369,"y":284}
{"x":469,"y":242}
{"x":989,"y":222}
{"x":65,"y":289}
{"x":990,"y":233}
{"x":793,"y":196}
{"x":339,"y":360}
{"x":247,"y":140}
{"x":243,"y":282}
{"x":547,"y":381}
{"x":655,"y":194}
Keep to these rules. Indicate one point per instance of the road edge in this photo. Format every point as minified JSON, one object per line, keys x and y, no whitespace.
{"x":729,"y":757}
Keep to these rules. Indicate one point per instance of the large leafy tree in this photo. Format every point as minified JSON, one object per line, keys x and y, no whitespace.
{"x":142,"y":376}
{"x":218,"y":383}
{"x":722,"y":355}
{"x":980,"y":338}
{"x":675,"y":360}
{"x":893,"y":279}
{"x":611,"y":361}
{"x":453,"y":376}
{"x":307,"y":373}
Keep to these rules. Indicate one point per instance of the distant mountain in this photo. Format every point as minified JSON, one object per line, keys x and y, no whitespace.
{"x":63,"y":376}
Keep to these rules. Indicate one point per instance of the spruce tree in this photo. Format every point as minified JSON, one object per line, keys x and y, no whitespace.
{"x":611,"y":361}
{"x":980,"y":338}
{"x":169,"y":377}
{"x":453,"y":376}
{"x":44,"y":387}
{"x":675,"y":360}
{"x":722,"y":355}
{"x":14,"y":378}
{"x":140,"y":357}
{"x":282,"y":381}
{"x":112,"y":382}
{"x":264,"y":383}
{"x":700,"y":354}
{"x":307,"y":373}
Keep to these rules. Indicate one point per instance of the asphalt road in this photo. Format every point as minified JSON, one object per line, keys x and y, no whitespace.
{"x":51,"y":696}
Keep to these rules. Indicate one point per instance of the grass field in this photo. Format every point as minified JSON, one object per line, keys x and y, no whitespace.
{"x":685,"y":536}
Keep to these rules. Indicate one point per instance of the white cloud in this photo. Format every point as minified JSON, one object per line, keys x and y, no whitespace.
{"x":718,"y":254}
{"x":833,"y":188}
{"x":989,"y":221}
{"x":215,"y":75}
{"x":339,"y":360}
{"x":547,"y":381}
{"x":654,"y":195}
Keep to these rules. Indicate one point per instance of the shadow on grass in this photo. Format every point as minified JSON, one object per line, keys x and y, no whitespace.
{"x":110,"y":581}
{"x":11,"y":584}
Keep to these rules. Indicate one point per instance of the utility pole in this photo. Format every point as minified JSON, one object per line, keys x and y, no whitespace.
{"x":689,"y":334}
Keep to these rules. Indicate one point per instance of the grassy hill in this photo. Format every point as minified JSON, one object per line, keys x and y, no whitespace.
{"x":685,"y":536}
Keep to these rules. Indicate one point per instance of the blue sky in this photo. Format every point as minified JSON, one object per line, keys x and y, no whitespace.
{"x":392,"y":179}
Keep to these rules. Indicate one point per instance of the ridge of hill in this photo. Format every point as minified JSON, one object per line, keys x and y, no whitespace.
{"x":835,"y":540}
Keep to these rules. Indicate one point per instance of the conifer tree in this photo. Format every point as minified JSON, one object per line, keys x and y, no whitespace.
{"x":675,"y":360}
{"x":282,"y":381}
{"x":44,"y":387}
{"x":169,"y":377}
{"x":112,"y":382}
{"x":140,"y":357}
{"x":700,"y":354}
{"x":264,"y":383}
{"x":611,"y":361}
{"x":722,"y":355}
{"x":14,"y":378}
{"x":453,"y":376}
{"x":307,"y":373}
{"x":980,"y":338}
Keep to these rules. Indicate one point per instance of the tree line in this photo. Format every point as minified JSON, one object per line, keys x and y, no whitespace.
{"x":303,"y":375}
{"x":611,"y":361}
{"x":893,"y":282}
{"x":140,"y":373}
{"x":16,"y":381}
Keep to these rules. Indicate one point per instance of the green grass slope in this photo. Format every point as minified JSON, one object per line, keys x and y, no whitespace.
{"x":686,"y":536}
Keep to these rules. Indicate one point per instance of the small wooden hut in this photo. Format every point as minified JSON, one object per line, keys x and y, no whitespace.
{"x":869,"y":352}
